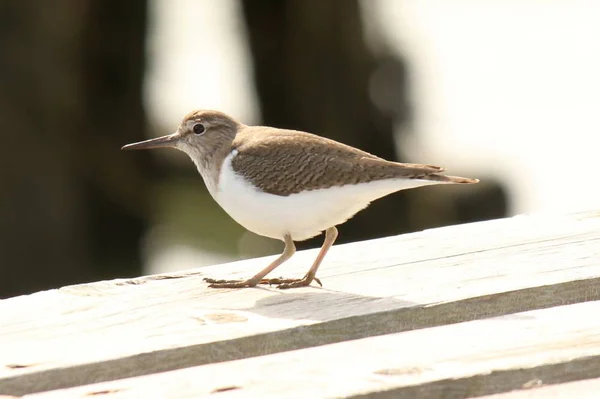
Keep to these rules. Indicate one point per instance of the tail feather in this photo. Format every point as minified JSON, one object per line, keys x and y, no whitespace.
{"x":448,"y":179}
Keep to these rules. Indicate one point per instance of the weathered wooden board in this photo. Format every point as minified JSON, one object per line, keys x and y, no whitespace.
{"x":123,"y":328}
{"x":458,"y":361}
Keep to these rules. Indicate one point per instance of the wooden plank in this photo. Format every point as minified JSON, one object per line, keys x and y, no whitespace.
{"x":457,"y":361}
{"x":115,"y":329}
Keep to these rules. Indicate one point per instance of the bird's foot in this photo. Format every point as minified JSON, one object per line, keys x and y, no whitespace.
{"x":280,"y":282}
{"x":229,"y":283}
{"x":285,"y":283}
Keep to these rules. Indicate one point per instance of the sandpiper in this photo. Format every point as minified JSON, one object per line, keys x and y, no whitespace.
{"x":286,"y":184}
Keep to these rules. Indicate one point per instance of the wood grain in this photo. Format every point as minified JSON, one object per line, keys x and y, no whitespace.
{"x":124,"y":328}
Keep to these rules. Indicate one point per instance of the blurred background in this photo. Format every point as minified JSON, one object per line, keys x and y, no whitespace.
{"x":504,"y":90}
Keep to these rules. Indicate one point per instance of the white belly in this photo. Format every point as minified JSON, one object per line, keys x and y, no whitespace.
{"x":303,"y":215}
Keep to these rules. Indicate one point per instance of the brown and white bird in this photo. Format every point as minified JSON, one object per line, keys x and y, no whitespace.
{"x":286,"y":184}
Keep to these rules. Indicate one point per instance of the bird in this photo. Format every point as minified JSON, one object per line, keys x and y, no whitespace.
{"x":285,"y":184}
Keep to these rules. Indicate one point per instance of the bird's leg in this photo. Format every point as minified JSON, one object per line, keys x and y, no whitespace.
{"x":330,"y":236}
{"x":287,"y":253}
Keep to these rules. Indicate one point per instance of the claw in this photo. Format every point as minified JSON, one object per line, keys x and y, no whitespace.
{"x":227,"y":283}
{"x":299,"y":282}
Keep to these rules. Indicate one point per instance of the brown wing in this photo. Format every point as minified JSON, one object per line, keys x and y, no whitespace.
{"x":284,"y":162}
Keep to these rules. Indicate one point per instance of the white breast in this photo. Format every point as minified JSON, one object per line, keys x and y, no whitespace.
{"x":303,"y":215}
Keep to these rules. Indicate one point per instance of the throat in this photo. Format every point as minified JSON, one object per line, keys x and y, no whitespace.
{"x":210,"y":175}
{"x":209,"y":169}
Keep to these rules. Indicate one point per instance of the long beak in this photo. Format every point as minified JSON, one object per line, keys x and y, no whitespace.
{"x":164,"y":141}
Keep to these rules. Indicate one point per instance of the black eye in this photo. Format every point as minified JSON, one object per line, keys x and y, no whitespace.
{"x":198,"y":128}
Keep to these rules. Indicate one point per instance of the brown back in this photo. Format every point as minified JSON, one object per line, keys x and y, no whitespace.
{"x":284,"y":162}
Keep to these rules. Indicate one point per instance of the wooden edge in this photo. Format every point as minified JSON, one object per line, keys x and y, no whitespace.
{"x":340,"y":330}
{"x":537,"y":389}
{"x":496,"y":382}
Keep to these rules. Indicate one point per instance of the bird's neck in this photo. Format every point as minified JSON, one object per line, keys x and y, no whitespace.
{"x":209,"y":167}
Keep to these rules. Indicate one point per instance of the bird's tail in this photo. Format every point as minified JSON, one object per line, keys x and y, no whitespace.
{"x":449,"y":179}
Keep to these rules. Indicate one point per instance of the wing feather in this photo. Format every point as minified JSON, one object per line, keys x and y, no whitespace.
{"x":284,"y":162}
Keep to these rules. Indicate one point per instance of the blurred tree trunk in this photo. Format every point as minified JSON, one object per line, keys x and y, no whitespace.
{"x":312,"y":69}
{"x":314,"y":72}
{"x":70,"y":96}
